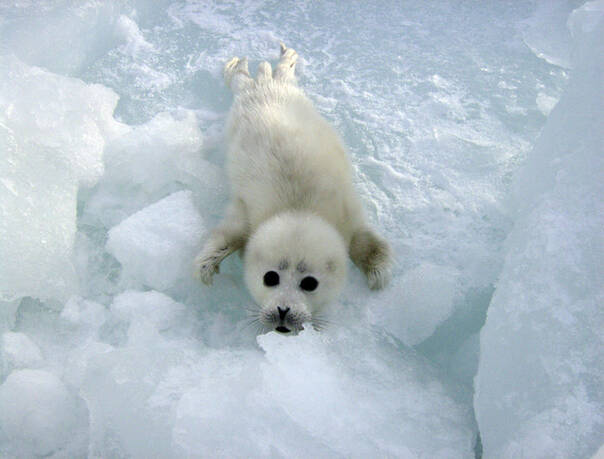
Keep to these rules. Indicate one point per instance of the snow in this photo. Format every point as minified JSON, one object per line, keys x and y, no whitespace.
{"x":474,"y":130}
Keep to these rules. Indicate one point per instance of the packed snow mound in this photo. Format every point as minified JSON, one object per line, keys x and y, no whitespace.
{"x":540,"y":378}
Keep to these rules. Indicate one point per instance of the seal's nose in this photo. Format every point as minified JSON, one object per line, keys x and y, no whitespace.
{"x":282,"y":313}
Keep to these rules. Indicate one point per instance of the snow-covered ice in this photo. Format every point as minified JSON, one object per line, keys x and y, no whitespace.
{"x":475,"y":133}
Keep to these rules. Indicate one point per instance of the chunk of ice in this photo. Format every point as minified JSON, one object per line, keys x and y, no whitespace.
{"x":52,"y":137}
{"x":64,"y":38}
{"x":38,"y":415}
{"x":546,"y":34}
{"x":540,"y":376}
{"x":84,"y":313}
{"x":147,"y":312}
{"x":150,"y":161}
{"x":118,"y":386}
{"x":342,"y":394}
{"x":156,"y":245}
{"x":420,"y":300}
{"x":18,"y":351}
{"x":164,"y":149}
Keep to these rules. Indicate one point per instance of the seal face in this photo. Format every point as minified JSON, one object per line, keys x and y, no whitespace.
{"x":293,"y":209}
{"x":288,"y":296}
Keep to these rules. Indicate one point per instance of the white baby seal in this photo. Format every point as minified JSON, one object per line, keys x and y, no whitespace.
{"x":293,"y":206}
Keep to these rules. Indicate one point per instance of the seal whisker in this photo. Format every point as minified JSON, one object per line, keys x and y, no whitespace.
{"x":250,"y":323}
{"x":253,"y":310}
{"x":320,"y":322}
{"x":262,"y":328}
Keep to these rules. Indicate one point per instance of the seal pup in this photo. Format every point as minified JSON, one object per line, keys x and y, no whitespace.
{"x":293,"y":209}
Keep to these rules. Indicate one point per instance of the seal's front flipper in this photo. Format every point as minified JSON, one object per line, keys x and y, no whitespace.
{"x":372,"y":254}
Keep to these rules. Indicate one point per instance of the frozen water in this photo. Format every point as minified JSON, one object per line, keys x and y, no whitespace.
{"x":332,"y":410}
{"x":83,"y":313}
{"x":155,"y":244}
{"x":420,"y":301}
{"x":7,"y":314}
{"x":51,"y":142}
{"x":111,"y":124}
{"x":38,"y":416}
{"x":148,"y":161}
{"x":539,"y":383}
{"x":164,"y":149}
{"x":147,"y":313}
{"x":18,"y":351}
{"x":546,"y":33}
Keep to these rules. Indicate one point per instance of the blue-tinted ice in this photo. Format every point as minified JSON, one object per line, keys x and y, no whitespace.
{"x":490,"y":191}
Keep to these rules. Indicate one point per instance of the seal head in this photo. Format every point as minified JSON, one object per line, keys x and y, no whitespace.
{"x":295,"y":264}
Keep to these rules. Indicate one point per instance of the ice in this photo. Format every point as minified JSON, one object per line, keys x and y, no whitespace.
{"x":38,"y":415}
{"x":547,"y":34}
{"x":129,"y":32}
{"x":62,"y":40}
{"x":361,"y":406}
{"x":112,"y":171}
{"x":83,"y":313}
{"x":164,"y":149}
{"x":117,"y":387}
{"x":464,"y":362}
{"x":52,"y":136}
{"x":150,"y":161}
{"x":419,"y":302}
{"x":539,"y":382}
{"x":18,"y":351}
{"x":546,"y":103}
{"x":155,"y":244}
{"x":7,"y":314}
{"x":147,"y":313}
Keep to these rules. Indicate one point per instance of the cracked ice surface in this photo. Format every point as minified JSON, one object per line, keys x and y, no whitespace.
{"x":111,"y":173}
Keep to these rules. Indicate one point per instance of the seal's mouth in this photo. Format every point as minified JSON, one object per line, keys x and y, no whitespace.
{"x":283,"y":329}
{"x":283,"y":319}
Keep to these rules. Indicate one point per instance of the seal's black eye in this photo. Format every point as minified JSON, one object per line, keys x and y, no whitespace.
{"x":309,"y":284}
{"x":271,"y":279}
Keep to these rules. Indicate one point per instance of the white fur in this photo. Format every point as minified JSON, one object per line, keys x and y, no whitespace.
{"x":292,"y":197}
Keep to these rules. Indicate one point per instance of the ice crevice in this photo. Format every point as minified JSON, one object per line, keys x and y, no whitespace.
{"x":477,"y":151}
